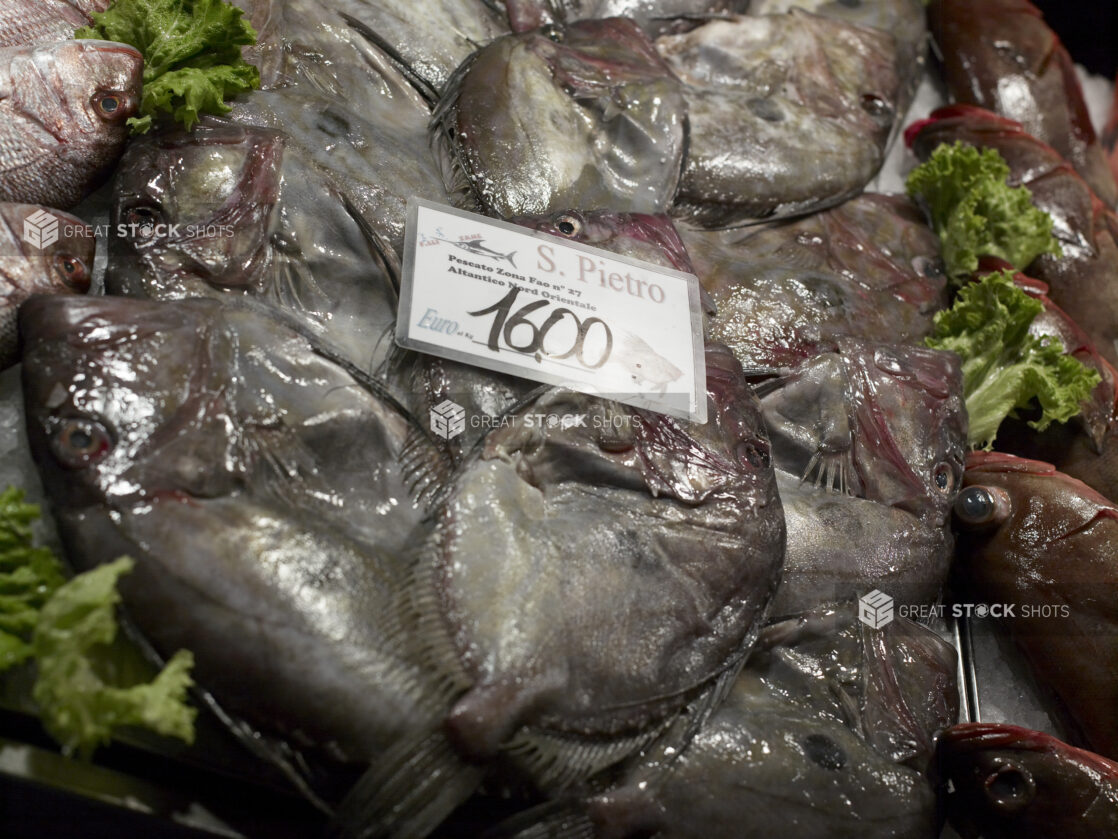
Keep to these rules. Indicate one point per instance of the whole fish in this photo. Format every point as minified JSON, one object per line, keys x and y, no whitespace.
{"x":808,"y":737}
{"x":27,"y":268}
{"x":1002,"y":56}
{"x":45,"y":21}
{"x":228,"y":211}
{"x":265,"y":491}
{"x":1007,"y":782}
{"x":607,"y":126}
{"x":1044,"y":542}
{"x":787,"y":114}
{"x":63,"y":114}
{"x":903,"y":19}
{"x":586,"y":582}
{"x":1084,"y":280}
{"x":868,"y":268}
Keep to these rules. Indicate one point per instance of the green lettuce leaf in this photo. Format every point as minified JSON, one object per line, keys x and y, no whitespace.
{"x":976,"y":213}
{"x":192,"y":54}
{"x":1004,"y":367}
{"x":77,"y":706}
{"x":28,"y":577}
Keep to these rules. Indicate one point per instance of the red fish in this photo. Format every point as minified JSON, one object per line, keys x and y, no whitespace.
{"x":1047,"y":544}
{"x":1001,"y":55}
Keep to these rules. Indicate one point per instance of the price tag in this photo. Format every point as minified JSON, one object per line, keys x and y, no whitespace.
{"x":505,"y":298}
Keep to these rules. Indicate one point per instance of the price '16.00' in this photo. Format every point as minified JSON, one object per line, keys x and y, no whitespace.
{"x":570,"y":335}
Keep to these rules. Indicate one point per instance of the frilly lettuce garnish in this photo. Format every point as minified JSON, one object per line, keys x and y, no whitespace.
{"x":65,"y":627}
{"x":192,"y":54}
{"x":1004,"y":367}
{"x":976,"y":213}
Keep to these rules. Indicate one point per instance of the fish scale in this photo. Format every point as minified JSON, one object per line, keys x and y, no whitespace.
{"x":45,"y":21}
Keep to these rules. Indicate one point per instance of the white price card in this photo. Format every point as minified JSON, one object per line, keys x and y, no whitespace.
{"x":506,"y":298}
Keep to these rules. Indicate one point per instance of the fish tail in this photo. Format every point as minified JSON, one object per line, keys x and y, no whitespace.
{"x":413,"y":788}
{"x":509,"y":257}
{"x":554,"y":820}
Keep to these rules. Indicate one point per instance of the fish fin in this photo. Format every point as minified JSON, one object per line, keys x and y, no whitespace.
{"x":413,"y":788}
{"x":414,"y":79}
{"x":832,"y":471}
{"x":556,"y":762}
{"x":425,"y":468}
{"x":442,"y":138}
{"x":553,"y":820}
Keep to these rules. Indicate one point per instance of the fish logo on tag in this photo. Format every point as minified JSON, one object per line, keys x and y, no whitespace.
{"x":875,"y":609}
{"x":40,"y":229}
{"x":448,"y":419}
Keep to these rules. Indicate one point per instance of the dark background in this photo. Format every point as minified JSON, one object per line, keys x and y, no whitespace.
{"x":1088,"y":28}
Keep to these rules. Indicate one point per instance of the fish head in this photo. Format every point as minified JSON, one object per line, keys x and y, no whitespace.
{"x":1023,"y":520}
{"x":122,"y":402}
{"x":1003,"y":780}
{"x":606,"y":129}
{"x":63,"y":267}
{"x":909,"y":425}
{"x":81,"y":92}
{"x":193,"y":212}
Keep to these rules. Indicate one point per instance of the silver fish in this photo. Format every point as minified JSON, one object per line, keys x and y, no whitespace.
{"x":568,"y":596}
{"x":228,"y":211}
{"x":882,"y":422}
{"x":903,"y":19}
{"x":787,"y":114}
{"x":45,"y":21}
{"x":606,"y":128}
{"x":784,"y":293}
{"x":30,"y":263}
{"x":431,"y":40}
{"x":344,"y":103}
{"x":828,"y":729}
{"x":267,"y":494}
{"x":63,"y":109}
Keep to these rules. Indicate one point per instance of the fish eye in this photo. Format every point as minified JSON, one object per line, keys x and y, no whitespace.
{"x":111,"y":104}
{"x":72,"y":271}
{"x":876,"y":106}
{"x":1009,"y":787}
{"x":569,"y":225}
{"x":944,"y":477}
{"x":142,"y":219}
{"x":755,"y":453}
{"x":824,"y":751}
{"x":78,"y":442}
{"x":978,"y":505}
{"x":552,"y":33}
